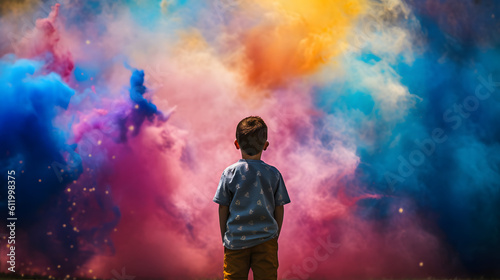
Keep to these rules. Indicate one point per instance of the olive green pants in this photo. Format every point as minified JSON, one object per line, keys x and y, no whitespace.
{"x":262,"y":259}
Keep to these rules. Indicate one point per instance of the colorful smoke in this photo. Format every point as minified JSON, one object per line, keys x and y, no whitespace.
{"x":118,"y":118}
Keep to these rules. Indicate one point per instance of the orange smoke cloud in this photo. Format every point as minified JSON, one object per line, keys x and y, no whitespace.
{"x":297,"y":38}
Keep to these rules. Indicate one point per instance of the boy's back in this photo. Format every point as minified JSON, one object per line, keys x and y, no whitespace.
{"x":251,"y":189}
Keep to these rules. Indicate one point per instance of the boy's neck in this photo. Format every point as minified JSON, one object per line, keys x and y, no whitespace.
{"x":254,"y":157}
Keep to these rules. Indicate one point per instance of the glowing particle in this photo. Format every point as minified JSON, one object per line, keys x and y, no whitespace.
{"x":74,"y":182}
{"x":48,"y":268}
{"x":131,"y":128}
{"x":90,"y":155}
{"x":99,"y":142}
{"x":400,"y":210}
{"x":136,"y":106}
{"x":492,"y":15}
{"x":62,"y":170}
{"x":22,"y":171}
{"x":71,"y":246}
{"x":107,"y":192}
{"x":90,"y":270}
{"x":64,"y":225}
{"x":87,"y":42}
{"x":48,"y":167}
{"x":113,"y":157}
{"x":58,"y":266}
{"x":8,"y":245}
{"x":68,"y":189}
{"x":49,"y":233}
{"x":74,"y":203}
{"x":75,"y":229}
{"x":421,"y":264}
{"x":39,"y":180}
{"x":115,"y":229}
{"x":84,"y":189}
{"x":20,"y":162}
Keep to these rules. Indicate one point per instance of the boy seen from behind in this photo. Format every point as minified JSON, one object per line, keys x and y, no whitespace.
{"x":251,"y":195}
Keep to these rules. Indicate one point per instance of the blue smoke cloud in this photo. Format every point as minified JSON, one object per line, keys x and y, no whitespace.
{"x":444,"y":154}
{"x":32,"y":145}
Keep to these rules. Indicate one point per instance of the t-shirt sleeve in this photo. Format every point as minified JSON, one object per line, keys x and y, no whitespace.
{"x":281,"y":195}
{"x":222,"y":195}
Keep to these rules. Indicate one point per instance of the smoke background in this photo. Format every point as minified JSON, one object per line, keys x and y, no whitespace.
{"x":382,"y":117}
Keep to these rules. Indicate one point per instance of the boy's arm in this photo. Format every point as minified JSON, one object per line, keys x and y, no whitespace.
{"x":223,"y":214}
{"x":279,"y":212}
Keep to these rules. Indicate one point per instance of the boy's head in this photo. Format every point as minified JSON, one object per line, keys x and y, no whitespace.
{"x":251,"y":135}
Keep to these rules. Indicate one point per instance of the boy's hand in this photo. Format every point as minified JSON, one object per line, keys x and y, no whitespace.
{"x":279,"y":212}
{"x":223,"y":214}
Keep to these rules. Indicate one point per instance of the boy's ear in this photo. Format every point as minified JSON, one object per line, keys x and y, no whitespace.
{"x":266,"y":145}
{"x":236,"y":144}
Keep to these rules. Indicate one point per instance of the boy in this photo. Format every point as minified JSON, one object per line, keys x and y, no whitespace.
{"x":251,"y":195}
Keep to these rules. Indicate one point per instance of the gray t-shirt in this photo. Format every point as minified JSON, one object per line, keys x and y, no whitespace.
{"x":251,"y":189}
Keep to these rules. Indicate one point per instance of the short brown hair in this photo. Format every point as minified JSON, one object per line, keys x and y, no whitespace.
{"x":251,"y":134}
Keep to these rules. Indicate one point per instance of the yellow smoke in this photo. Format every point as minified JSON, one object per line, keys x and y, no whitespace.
{"x":296,"y":37}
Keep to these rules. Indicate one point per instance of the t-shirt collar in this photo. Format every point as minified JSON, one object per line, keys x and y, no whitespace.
{"x":250,"y":160}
